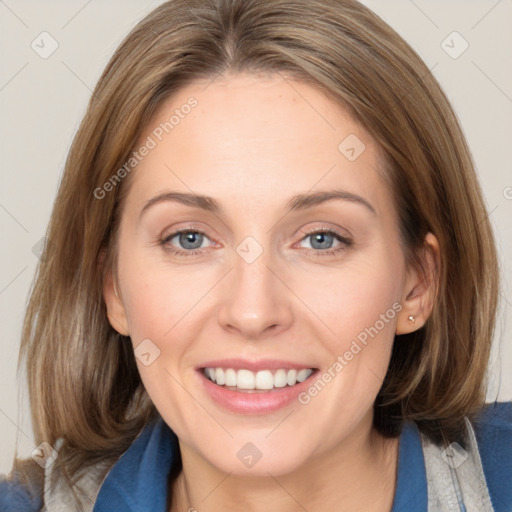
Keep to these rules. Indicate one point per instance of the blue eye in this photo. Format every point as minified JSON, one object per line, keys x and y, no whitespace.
{"x":322,"y":242}
{"x":190,"y":242}
{"x":190,"y":239}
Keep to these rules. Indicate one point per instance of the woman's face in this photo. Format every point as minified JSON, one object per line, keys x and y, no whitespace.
{"x":293,"y":263}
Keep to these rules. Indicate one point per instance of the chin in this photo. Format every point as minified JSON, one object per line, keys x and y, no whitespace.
{"x":247,"y":458}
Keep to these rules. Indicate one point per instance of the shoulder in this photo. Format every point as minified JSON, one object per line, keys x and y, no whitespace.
{"x":493,"y":431}
{"x":108,"y":485}
{"x":16,"y":496}
{"x":83,"y":493}
{"x":149,"y":462}
{"x":29,"y":490}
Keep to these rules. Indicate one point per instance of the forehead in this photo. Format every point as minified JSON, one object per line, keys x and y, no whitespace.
{"x":256,"y":138}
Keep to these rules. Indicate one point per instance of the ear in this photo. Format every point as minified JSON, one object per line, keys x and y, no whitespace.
{"x":115,"y":308}
{"x":420,"y":289}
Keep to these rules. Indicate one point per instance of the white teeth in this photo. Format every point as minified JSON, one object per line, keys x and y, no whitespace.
{"x":263,"y":379}
{"x":219,"y":376}
{"x":244,"y":379}
{"x":291,"y":377}
{"x":302,"y":375}
{"x":280,"y":378}
{"x":230,"y":376}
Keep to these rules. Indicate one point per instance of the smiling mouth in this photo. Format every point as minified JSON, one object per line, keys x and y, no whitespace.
{"x":247,"y":381}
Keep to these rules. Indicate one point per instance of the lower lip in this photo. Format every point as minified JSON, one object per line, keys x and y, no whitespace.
{"x":257,"y":402}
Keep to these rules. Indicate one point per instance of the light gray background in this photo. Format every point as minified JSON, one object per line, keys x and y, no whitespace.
{"x":43,"y":100}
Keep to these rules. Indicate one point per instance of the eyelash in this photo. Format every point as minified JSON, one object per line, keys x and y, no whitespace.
{"x":344,"y":245}
{"x":345,"y":242}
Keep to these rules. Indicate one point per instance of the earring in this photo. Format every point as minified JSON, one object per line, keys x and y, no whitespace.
{"x":411,"y":319}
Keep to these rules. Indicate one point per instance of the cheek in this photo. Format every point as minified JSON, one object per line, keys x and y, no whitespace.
{"x":159,"y":297}
{"x":354,"y":297}
{"x":162,"y":305}
{"x":359,"y":305}
{"x":347,"y":299}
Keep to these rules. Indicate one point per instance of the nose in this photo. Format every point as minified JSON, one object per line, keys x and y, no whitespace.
{"x":255,"y":303}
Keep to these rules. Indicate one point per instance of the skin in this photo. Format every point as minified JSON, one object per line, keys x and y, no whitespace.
{"x":251,"y":143}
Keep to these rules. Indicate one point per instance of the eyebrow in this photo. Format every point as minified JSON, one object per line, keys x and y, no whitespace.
{"x":298,"y":202}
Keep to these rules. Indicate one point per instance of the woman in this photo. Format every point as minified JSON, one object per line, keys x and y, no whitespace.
{"x":272,"y":282}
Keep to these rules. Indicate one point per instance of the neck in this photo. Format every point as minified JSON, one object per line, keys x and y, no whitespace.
{"x":358,"y":473}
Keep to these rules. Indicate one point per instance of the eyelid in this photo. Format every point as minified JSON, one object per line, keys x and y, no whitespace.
{"x":326,"y":229}
{"x":345,"y":241}
{"x":343,"y":234}
{"x":171,"y":232}
{"x":179,"y":231}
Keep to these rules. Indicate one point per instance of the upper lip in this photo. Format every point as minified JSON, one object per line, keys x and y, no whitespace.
{"x":262,"y":364}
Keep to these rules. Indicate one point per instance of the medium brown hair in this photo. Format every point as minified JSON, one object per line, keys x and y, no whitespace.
{"x":83,"y":381}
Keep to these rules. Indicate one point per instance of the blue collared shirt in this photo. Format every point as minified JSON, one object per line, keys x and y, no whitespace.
{"x":138,"y":482}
